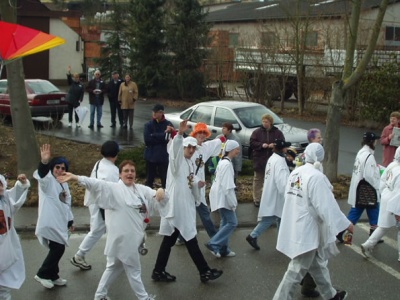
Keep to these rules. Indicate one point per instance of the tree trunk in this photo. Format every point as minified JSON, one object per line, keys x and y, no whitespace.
{"x":332,"y":132}
{"x":27,"y":147}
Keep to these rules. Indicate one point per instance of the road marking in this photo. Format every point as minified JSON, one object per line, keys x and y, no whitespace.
{"x":365,"y":227}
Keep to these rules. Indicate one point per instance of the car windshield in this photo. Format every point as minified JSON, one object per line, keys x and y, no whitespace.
{"x":42,"y":87}
{"x":251,"y":116}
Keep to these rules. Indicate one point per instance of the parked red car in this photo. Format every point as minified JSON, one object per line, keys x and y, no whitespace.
{"x":44,"y":98}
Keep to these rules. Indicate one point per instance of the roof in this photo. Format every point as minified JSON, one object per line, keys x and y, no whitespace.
{"x":275,"y":10}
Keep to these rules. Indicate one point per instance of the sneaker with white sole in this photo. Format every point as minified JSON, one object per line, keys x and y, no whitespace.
{"x":47,"y":283}
{"x":69,"y":124}
{"x":179,"y":242}
{"x":366,"y":250}
{"x":60,"y":281}
{"x":78,"y":125}
{"x":230,"y":254}
{"x":213,"y":252}
{"x":79,"y":261}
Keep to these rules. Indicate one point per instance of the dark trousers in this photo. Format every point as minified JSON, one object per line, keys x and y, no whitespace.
{"x":192,"y":247}
{"x":49,"y":268}
{"x":70,"y":112}
{"x":154,"y":169}
{"x":115,"y":107}
{"x":128,"y":114}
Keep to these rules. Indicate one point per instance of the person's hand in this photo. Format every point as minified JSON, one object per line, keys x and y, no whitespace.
{"x":201,"y":184}
{"x":169,"y":129}
{"x":160,"y":194}
{"x":397,"y":217}
{"x":69,"y":70}
{"x":45,"y":153}
{"x":183,"y":127}
{"x":67,"y":176}
{"x":351,"y":228}
{"x":22,"y":178}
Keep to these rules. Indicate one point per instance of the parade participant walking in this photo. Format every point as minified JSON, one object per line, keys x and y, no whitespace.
{"x":237,"y":161}
{"x":272,"y":198}
{"x":387,"y":136}
{"x":157,"y":133}
{"x":127,"y":206}
{"x":180,"y":215}
{"x":12,"y":266}
{"x":55,"y":218}
{"x":311,"y":219}
{"x":115,"y":106}
{"x":96,"y":89}
{"x":74,"y":96}
{"x":389,"y":210}
{"x":223,"y":199}
{"x":127,"y":96}
{"x":262,"y":142}
{"x":104,"y":169}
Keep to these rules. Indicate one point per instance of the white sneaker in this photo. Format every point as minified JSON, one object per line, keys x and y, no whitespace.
{"x":179,"y":242}
{"x":78,"y":125}
{"x":60,"y":281}
{"x":47,"y":283}
{"x":231,"y":254}
{"x":366,"y":250}
{"x":69,"y":124}
{"x":79,"y":261}
{"x":151,"y":297}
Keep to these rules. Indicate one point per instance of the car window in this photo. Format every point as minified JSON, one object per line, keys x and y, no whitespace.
{"x":202,"y":114}
{"x":223,"y":115}
{"x":251,"y":116}
{"x":186,"y":114}
{"x":42,"y":87}
{"x":3,"y":87}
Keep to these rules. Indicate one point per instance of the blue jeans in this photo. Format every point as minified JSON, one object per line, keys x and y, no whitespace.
{"x":99,"y":109}
{"x":219,"y":242}
{"x":264,"y":224}
{"x":355,"y":214}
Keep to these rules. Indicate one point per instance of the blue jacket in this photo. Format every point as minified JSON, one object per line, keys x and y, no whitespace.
{"x":156,"y":140}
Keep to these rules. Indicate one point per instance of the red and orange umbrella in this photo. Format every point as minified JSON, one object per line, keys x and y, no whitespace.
{"x":18,"y":41}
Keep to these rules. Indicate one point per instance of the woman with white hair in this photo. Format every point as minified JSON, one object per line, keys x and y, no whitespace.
{"x":389,"y":212}
{"x":311,"y":218}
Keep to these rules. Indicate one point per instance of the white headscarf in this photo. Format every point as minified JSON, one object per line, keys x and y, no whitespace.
{"x":3,"y":181}
{"x":314,"y":154}
{"x":397,"y":155}
{"x":230,"y":145}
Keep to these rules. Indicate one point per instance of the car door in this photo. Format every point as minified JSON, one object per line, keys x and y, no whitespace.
{"x":222,"y":115}
{"x":202,"y":113}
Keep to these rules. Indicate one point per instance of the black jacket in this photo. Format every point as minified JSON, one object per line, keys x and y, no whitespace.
{"x":113,"y":90}
{"x":75,"y":92}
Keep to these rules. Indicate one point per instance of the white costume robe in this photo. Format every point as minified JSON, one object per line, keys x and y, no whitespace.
{"x":54,"y":215}
{"x":11,"y":202}
{"x":222,"y":193}
{"x":390,"y":195}
{"x":364,"y":168}
{"x":272,"y":198}
{"x":180,"y":211}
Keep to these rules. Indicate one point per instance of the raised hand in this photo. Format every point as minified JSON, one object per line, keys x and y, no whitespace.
{"x":45,"y":153}
{"x":22,"y":178}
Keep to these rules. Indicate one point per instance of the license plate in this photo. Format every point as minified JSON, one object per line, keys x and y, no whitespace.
{"x":53,"y":101}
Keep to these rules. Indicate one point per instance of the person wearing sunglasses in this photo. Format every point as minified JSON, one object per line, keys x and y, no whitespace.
{"x":55,"y":219}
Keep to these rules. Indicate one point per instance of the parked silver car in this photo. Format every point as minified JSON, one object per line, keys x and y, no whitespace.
{"x":245,"y":118}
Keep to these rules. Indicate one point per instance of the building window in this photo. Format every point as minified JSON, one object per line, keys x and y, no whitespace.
{"x":392,"y":36}
{"x":269,"y":39}
{"x":312,"y":39}
{"x":233,"y":40}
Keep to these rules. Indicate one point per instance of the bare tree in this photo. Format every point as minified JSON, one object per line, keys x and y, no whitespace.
{"x":350,"y":77}
{"x":27,"y":147}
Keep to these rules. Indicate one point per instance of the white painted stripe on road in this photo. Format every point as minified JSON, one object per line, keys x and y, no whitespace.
{"x":365,"y":227}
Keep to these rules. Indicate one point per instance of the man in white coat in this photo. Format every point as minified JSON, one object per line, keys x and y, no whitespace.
{"x":272,"y":197}
{"x":311,"y":219}
{"x":389,"y":210}
{"x":104,"y":169}
{"x":12,"y":267}
{"x":180,"y":215}
{"x":128,"y":207}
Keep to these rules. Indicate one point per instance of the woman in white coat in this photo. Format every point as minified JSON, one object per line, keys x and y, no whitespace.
{"x":272,"y":198}
{"x":12,"y":267}
{"x":127,"y":209}
{"x":389,"y":211}
{"x":223,"y":199}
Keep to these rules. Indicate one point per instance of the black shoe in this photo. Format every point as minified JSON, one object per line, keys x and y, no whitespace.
{"x":91,"y":126}
{"x":211,"y":274}
{"x":100,"y":126}
{"x":162,"y":276}
{"x":252,"y":241}
{"x":339,"y":237}
{"x":112,"y":125}
{"x":340,"y":295}
{"x":257,"y":204}
{"x":380,"y":241}
{"x":310,"y":293}
{"x":124,"y":126}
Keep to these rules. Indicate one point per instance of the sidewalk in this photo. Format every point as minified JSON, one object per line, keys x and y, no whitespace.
{"x":26,"y":218}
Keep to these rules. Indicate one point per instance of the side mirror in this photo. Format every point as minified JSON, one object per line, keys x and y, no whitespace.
{"x":236,"y":126}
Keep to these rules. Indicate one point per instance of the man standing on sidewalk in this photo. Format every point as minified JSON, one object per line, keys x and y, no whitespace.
{"x":96,"y":89}
{"x":104,"y":169}
{"x":115,"y":106}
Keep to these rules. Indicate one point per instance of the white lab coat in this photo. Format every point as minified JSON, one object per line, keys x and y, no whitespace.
{"x":364,"y":168}
{"x":54,"y":215}
{"x":10,"y":203}
{"x":275,"y":179}
{"x":180,"y":211}
{"x":311,"y":217}
{"x":206,"y":150}
{"x":125,"y":224}
{"x":222,"y":193}
{"x":390,"y":195}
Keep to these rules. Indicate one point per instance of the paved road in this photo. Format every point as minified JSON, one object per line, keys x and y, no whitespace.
{"x":250,"y":275}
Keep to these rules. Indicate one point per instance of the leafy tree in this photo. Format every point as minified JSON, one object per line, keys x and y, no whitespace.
{"x":187,"y":36}
{"x":147,"y":44}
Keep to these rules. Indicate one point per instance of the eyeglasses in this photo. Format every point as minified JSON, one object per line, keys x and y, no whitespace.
{"x":60,"y":167}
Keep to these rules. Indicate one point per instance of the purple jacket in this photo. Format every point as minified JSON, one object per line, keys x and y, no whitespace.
{"x":258,"y":138}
